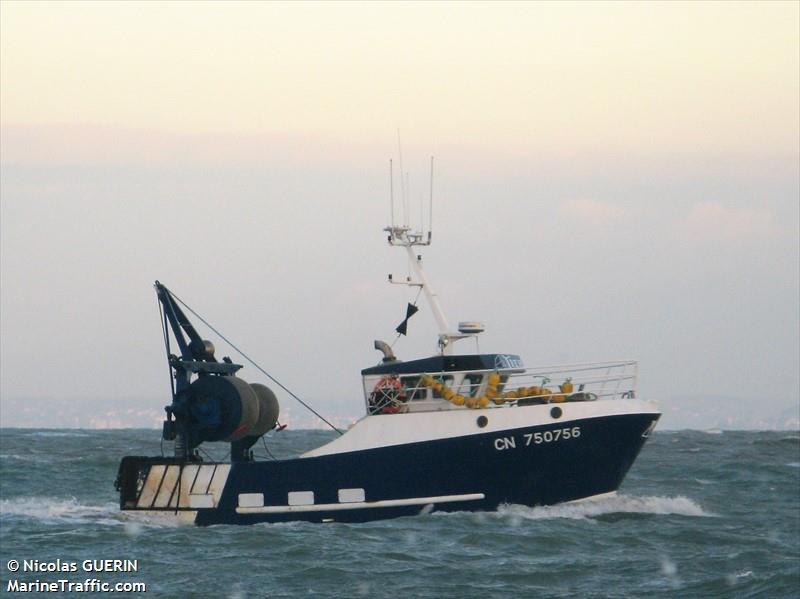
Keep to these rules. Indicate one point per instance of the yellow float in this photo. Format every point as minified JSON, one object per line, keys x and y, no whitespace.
{"x":493,"y":395}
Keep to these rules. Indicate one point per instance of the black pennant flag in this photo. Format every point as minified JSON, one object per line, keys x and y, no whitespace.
{"x":403,"y":326}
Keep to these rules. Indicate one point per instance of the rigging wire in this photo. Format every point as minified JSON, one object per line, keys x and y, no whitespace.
{"x":162,"y":316}
{"x":264,"y":441}
{"x":246,"y":357}
{"x":210,"y":457}
{"x":416,"y":299}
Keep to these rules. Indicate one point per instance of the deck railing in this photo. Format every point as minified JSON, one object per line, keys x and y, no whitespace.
{"x":518,"y":386}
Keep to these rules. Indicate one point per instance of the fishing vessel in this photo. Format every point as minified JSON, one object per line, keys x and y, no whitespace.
{"x":447,"y":432}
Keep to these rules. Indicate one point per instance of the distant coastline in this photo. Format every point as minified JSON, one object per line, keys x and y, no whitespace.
{"x":680,"y":413}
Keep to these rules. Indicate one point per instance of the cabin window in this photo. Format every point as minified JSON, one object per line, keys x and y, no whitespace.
{"x":414,"y":390}
{"x":503,"y":381}
{"x":446,"y":380}
{"x":471,"y":384}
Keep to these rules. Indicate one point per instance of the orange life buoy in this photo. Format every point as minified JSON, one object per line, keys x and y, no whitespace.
{"x":386,"y":395}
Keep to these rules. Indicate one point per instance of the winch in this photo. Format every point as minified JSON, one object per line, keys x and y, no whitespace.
{"x":216,"y":405}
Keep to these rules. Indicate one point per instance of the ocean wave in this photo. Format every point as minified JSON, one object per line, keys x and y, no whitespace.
{"x":42,"y":458}
{"x":60,"y":510}
{"x":603,"y":506}
{"x":734,"y":578}
{"x":20,"y":458}
{"x":56,"y":509}
{"x":62,"y":433}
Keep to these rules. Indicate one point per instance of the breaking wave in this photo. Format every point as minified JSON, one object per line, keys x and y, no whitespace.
{"x":18,"y":457}
{"x":604,"y":506}
{"x":56,"y":509}
{"x":70,"y":511}
{"x":59,"y":433}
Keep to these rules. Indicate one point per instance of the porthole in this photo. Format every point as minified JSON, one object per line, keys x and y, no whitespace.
{"x":556,"y":412}
{"x":482,"y":421}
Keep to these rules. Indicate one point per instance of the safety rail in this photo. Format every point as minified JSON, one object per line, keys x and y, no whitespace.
{"x":509,"y":387}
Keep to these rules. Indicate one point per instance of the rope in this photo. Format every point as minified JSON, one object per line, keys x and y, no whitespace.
{"x":414,"y":303}
{"x":210,"y":457}
{"x":246,"y":357}
{"x":269,"y":453}
{"x":419,"y":292}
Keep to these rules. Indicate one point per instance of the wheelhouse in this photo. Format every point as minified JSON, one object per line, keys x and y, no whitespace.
{"x":449,"y":382}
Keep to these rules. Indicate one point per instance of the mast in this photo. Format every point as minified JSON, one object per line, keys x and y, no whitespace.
{"x":430,"y":294}
{"x":402,"y":236}
{"x":405,"y":236}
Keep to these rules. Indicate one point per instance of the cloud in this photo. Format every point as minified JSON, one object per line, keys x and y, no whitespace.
{"x":712,"y":219}
{"x":593,"y":212}
{"x":83,"y":144}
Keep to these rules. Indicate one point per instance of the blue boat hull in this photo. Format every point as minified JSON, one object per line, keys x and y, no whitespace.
{"x":530,"y":466}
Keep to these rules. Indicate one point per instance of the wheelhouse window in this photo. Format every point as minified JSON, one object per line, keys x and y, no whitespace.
{"x":414,"y":389}
{"x":471,"y":384}
{"x":446,"y":380}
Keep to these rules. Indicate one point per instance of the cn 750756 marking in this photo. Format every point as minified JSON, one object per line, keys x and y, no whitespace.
{"x":549,"y":436}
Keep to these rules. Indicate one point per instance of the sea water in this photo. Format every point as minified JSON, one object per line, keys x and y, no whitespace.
{"x":701,"y":514}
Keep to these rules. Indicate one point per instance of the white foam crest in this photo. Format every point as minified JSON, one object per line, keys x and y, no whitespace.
{"x":51,"y":508}
{"x":21,"y":458}
{"x":58,"y":434}
{"x":70,"y":510}
{"x":670,"y":572}
{"x":617,"y":504}
{"x":733,"y":579}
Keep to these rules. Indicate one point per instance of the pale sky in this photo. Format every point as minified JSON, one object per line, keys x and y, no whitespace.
{"x":614,"y":180}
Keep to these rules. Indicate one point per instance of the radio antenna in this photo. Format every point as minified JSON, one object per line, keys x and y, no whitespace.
{"x":430,"y":206}
{"x":421,"y":214}
{"x":409,"y":215}
{"x":402,"y":179}
{"x":391,"y":190}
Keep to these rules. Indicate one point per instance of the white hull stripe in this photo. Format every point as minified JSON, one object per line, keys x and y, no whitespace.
{"x":326,"y":507}
{"x":386,"y":430}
